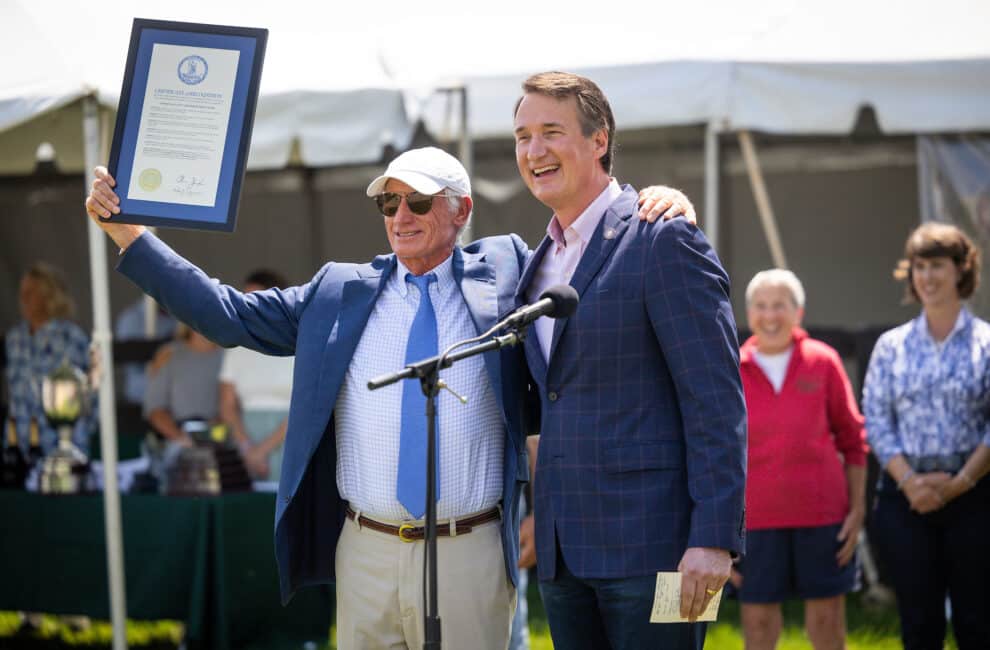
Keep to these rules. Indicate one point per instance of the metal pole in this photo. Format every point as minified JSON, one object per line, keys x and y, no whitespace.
{"x":711,"y":220}
{"x":431,"y":617}
{"x":762,"y":199}
{"x":466,"y":156}
{"x":108,"y":424}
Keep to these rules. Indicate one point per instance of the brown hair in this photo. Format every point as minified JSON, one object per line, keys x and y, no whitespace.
{"x":940,"y":240}
{"x":58,"y":303}
{"x":594,"y":111}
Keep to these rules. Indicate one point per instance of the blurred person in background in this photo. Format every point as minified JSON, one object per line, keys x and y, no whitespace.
{"x":130,"y":326}
{"x":183,"y":385}
{"x":254,"y":395}
{"x":806,"y":474}
{"x":38,"y":345}
{"x":927,"y":405}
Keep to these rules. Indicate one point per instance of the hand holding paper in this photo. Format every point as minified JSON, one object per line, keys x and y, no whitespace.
{"x":667,"y":601}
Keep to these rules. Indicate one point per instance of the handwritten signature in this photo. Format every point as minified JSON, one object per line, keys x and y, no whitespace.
{"x":189,"y":185}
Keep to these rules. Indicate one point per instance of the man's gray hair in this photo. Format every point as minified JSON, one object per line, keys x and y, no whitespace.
{"x":776,"y":278}
{"x":455,"y":202}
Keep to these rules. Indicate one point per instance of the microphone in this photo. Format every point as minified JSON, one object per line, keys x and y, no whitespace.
{"x":559,"y":301}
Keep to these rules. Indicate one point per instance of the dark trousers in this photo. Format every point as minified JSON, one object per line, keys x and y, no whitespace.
{"x":929,"y":556}
{"x":610,"y":614}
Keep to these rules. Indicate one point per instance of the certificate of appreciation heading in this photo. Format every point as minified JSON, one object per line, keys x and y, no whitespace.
{"x":179,"y":149}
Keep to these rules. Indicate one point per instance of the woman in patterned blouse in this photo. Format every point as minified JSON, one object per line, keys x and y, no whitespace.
{"x":38,"y":345}
{"x":927,"y":406}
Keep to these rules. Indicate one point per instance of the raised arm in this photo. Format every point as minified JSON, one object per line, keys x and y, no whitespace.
{"x":266,"y":321}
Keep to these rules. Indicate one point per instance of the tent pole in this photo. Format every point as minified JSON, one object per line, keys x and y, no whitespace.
{"x":712,"y":182}
{"x":762,"y":199}
{"x":466,"y":155}
{"x":104,"y":346}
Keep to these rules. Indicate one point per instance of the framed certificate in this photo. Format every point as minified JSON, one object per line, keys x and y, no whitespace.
{"x":183,"y":130}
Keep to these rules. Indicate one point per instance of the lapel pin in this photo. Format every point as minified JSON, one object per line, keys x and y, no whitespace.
{"x":609,"y":233}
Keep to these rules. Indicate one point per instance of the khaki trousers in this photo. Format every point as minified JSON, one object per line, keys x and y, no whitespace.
{"x":380,"y":590}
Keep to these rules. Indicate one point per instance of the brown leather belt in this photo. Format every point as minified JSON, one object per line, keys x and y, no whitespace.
{"x":410,"y":533}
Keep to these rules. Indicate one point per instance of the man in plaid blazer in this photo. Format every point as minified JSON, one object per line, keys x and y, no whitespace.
{"x":641,"y":464}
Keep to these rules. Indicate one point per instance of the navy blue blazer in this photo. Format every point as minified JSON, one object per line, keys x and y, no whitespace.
{"x":321,"y":323}
{"x":643,"y":422}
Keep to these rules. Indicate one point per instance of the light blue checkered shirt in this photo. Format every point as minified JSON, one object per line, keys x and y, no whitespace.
{"x":472,"y":436}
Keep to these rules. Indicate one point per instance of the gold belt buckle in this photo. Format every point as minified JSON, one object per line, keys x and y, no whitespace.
{"x":404,"y":529}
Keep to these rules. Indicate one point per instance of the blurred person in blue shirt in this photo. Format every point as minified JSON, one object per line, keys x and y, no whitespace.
{"x":130,"y":326}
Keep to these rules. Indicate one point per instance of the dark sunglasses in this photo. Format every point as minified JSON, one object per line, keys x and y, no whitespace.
{"x":388,"y":202}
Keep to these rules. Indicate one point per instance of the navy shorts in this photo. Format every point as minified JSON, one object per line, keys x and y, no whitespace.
{"x":784,"y":563}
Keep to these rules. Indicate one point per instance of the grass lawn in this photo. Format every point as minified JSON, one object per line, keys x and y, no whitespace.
{"x":870,"y":628}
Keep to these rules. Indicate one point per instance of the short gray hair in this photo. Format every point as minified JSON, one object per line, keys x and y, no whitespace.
{"x":776,"y":278}
{"x":455,"y":201}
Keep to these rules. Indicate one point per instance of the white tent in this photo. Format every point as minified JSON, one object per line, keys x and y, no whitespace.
{"x":784,"y":66}
{"x":773,"y":97}
{"x":322,"y":103}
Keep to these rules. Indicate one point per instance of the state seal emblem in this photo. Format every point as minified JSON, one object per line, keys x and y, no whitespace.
{"x":193,"y":69}
{"x":150,"y":180}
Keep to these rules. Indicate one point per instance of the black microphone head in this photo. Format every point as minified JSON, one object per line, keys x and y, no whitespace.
{"x":565,"y":300}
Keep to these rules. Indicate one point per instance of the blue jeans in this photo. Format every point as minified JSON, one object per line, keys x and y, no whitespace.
{"x":614,"y":613}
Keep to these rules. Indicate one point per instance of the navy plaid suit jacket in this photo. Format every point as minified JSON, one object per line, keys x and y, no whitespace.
{"x":643,"y":433}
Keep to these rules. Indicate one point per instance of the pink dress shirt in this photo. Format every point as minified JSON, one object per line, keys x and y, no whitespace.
{"x":563,"y":255}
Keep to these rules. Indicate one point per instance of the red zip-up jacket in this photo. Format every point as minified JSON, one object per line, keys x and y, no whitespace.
{"x":801,"y":438}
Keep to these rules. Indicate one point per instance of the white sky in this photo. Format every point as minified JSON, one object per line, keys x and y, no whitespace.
{"x":334,"y":44}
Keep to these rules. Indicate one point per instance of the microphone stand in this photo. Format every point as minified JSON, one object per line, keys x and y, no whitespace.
{"x":428,"y":373}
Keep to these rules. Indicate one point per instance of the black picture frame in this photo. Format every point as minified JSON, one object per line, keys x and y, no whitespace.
{"x":175,"y":191}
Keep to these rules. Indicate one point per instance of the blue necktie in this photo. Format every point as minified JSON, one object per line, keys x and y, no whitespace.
{"x":410,"y":488}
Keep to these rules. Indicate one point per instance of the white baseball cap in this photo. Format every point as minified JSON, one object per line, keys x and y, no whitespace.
{"x":427,"y":170}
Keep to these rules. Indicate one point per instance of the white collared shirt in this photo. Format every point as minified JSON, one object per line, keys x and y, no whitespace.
{"x":471,"y":436}
{"x":563,"y":255}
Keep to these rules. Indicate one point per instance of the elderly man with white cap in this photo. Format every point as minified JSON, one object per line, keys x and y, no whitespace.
{"x":351,"y":496}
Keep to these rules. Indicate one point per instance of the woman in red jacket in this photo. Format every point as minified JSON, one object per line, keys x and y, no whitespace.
{"x":806,"y":475}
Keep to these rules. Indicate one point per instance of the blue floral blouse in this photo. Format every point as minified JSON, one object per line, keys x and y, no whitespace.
{"x":30,"y":357}
{"x":923,"y":398}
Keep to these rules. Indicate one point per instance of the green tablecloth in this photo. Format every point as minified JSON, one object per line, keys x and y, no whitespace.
{"x":209,"y":562}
